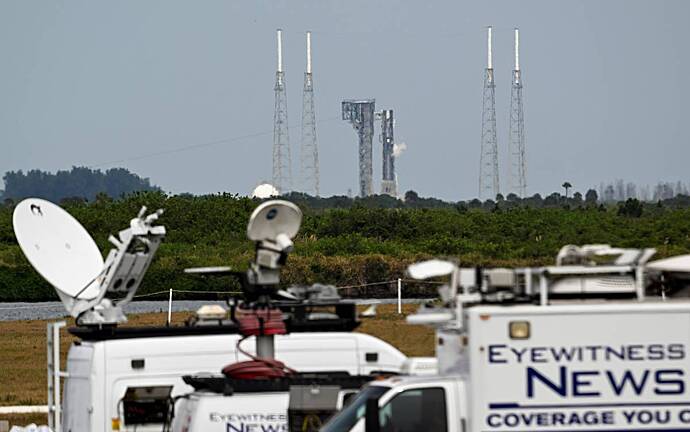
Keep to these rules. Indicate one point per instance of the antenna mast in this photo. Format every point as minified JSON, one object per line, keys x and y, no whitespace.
{"x":517,"y":129}
{"x":282,"y":164}
{"x":309,"y":154}
{"x":488,"y":162}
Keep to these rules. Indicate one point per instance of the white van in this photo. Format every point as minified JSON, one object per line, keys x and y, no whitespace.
{"x":100,"y":372}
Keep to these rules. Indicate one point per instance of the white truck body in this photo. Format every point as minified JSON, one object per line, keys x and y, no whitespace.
{"x":100,"y":372}
{"x":265,"y":412}
{"x":619,"y":366}
{"x":258,"y":412}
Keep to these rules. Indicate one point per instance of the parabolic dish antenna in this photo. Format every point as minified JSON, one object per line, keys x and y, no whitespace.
{"x":264,"y":190}
{"x":273,"y":218}
{"x":59,"y":248}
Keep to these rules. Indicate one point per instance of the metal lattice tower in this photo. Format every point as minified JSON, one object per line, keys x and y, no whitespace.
{"x":388,"y":182}
{"x":518,"y":175}
{"x":282,"y":163}
{"x":361,"y":114}
{"x":309,"y":152}
{"x":488,"y":162}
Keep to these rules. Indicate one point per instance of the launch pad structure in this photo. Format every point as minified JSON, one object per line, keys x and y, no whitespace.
{"x":389,"y":184}
{"x":361,"y":114}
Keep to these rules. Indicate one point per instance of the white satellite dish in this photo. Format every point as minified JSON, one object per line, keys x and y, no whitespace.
{"x":59,"y":248}
{"x":273,"y":218}
{"x":264,"y":190}
{"x":676,"y":264}
{"x":430,"y":268}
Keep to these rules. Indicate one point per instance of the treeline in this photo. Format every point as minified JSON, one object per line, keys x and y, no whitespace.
{"x":368,"y":240}
{"x":80,"y":183}
{"x":621,"y":190}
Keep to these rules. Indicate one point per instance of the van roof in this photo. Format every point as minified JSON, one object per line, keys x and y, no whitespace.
{"x":92,"y":333}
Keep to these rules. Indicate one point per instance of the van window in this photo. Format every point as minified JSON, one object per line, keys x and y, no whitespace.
{"x":354,"y":410}
{"x":415,"y":410}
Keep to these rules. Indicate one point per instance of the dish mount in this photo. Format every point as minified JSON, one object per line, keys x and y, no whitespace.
{"x":62,"y":251}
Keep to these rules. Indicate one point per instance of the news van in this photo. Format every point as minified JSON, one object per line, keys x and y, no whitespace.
{"x":123,"y":378}
{"x":594,"y":348}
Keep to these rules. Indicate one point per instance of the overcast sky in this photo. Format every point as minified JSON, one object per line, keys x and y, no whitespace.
{"x":104,"y":83}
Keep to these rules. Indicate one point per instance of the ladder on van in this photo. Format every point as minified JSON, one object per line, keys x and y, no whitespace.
{"x":54,"y":375}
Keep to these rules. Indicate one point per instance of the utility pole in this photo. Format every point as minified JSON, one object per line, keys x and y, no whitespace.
{"x":488,"y":162}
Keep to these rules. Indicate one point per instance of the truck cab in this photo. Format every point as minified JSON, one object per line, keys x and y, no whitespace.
{"x":594,"y":348}
{"x":407,"y":404}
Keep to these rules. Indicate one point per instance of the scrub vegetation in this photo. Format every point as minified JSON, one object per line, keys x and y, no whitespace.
{"x":352,"y":242}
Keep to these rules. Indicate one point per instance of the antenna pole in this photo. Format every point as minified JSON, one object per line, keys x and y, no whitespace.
{"x":516,"y":134}
{"x":309,"y":154}
{"x":282,"y":161}
{"x":308,"y":52}
{"x":517,"y":49}
{"x":279,"y":34}
{"x":489,"y":63}
{"x":488,"y":161}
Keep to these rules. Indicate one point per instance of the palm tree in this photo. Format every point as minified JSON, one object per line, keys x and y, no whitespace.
{"x":566,"y":186}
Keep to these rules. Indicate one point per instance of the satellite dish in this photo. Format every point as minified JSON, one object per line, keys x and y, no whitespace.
{"x":59,"y":248}
{"x":676,"y":264}
{"x":265,"y":190}
{"x":273,"y":218}
{"x":430,"y":268}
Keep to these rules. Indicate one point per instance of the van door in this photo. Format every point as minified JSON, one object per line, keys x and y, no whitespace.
{"x":77,"y":402}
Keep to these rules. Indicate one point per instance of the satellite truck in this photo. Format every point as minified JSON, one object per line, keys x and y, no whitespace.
{"x":122,"y":378}
{"x":263,"y":393}
{"x":584,"y":345}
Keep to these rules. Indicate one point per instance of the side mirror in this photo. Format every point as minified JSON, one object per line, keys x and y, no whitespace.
{"x":371,"y":419}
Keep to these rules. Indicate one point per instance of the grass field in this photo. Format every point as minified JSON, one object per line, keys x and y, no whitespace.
{"x":23,"y":352}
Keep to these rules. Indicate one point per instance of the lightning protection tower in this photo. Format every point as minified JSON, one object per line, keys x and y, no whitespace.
{"x":388,"y":183}
{"x":361,"y":114}
{"x":518,"y":176}
{"x":282,"y":164}
{"x":488,"y":162}
{"x":309,"y":152}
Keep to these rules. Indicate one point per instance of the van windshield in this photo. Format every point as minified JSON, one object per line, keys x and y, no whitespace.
{"x":353,"y":411}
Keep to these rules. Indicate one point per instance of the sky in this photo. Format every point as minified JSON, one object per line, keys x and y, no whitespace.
{"x":182,"y":91}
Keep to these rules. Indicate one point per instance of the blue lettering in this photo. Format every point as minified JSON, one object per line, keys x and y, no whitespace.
{"x":662,"y":378}
{"x":610,"y":352}
{"x":494,"y":420}
{"x":655,"y":352}
{"x":538,"y":355}
{"x":579,"y":382}
{"x":561,"y":387}
{"x":676,"y":352}
{"x":634,"y":352}
{"x":562,"y":354}
{"x":619,"y":386}
{"x":519,"y":353}
{"x":493,"y":354}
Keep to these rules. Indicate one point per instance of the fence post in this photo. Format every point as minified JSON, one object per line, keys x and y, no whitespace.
{"x":399,"y":296}
{"x":169,"y":307}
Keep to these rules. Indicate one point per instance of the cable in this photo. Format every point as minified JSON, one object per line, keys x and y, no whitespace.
{"x":256,"y":368}
{"x":195,"y":146}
